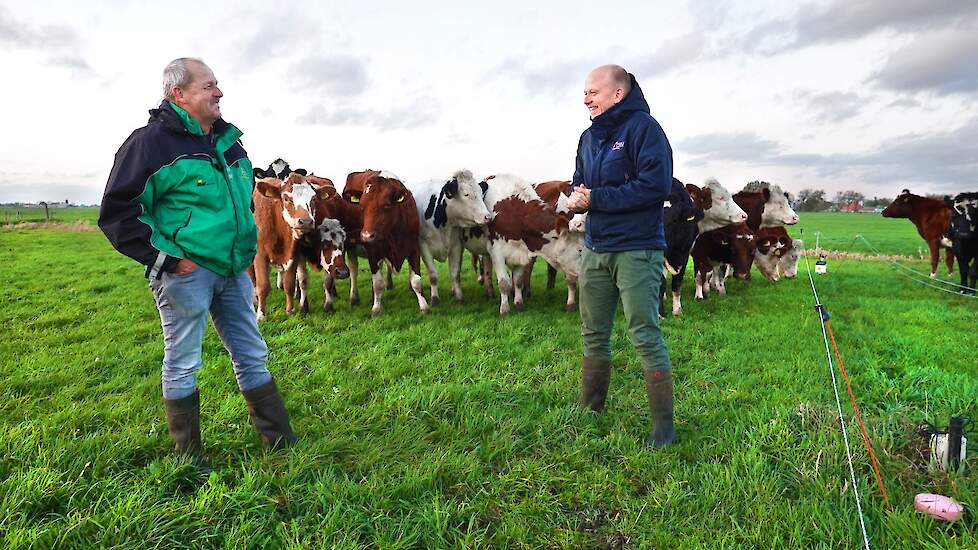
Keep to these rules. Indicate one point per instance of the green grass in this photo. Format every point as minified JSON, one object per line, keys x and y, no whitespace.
{"x":13,"y":214}
{"x":838,"y":232}
{"x":460,"y":429}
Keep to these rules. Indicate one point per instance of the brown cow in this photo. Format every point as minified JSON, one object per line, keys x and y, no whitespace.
{"x":390,"y":232}
{"x":352,"y":191}
{"x":714,"y":250}
{"x":288,"y":234}
{"x":931,"y":217}
{"x":766,"y":206}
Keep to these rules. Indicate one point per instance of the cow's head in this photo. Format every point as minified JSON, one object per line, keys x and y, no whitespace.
{"x":355,"y":183}
{"x":702,"y":197}
{"x":299,"y":199}
{"x":723,"y":210}
{"x":902,"y":206}
{"x":963,"y":225}
{"x":383,"y":197}
{"x":777,"y":211}
{"x":460,"y":200}
{"x":739,"y":239}
{"x":789,"y":261}
{"x":679,"y":210}
{"x":332,"y":234}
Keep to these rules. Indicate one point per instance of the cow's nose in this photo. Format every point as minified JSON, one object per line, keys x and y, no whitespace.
{"x":487,"y":218}
{"x":743,"y":217}
{"x":366,"y":236}
{"x":342,"y":272}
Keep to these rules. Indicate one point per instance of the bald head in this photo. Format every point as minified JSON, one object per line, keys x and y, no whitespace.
{"x":605,"y":87}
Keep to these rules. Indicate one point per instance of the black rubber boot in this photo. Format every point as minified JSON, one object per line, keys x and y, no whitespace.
{"x":595,"y":377}
{"x":268,"y":414}
{"x":183,"y":421}
{"x":658,"y":386}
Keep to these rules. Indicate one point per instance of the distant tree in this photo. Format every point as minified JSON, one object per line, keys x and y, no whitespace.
{"x":877,"y":202}
{"x":811,"y":200}
{"x":843,"y":198}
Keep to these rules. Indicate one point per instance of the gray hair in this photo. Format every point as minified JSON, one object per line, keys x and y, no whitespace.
{"x":177,"y":74}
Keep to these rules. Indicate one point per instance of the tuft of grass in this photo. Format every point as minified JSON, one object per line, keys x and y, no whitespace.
{"x":460,"y":429}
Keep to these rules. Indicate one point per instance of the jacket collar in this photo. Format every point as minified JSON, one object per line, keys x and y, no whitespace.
{"x":176,"y":119}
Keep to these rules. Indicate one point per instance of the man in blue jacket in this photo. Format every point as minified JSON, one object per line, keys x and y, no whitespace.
{"x":622,"y":177}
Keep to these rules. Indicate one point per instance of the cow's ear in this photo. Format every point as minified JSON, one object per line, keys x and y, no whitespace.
{"x":766,"y":193}
{"x":324,"y":192}
{"x":258,"y":173}
{"x":269,"y":187}
{"x":948,"y":201}
{"x":484,"y":185}
{"x":451,"y":188}
{"x":301,"y":172}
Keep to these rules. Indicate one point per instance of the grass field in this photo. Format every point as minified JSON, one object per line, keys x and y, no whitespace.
{"x":13,"y":215}
{"x":460,"y":429}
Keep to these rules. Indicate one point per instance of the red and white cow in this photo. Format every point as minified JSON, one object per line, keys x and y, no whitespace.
{"x":446,"y":208}
{"x":766,"y":206}
{"x":723,"y":211}
{"x":931,"y":217}
{"x":715,"y":250}
{"x":777,"y":253}
{"x":555,"y":193}
{"x":291,"y":216}
{"x":390,"y":232}
{"x":523,"y":226}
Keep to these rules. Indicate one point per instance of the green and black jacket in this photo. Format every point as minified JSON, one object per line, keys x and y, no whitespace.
{"x":175,"y":193}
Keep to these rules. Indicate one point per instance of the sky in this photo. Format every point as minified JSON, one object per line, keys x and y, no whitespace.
{"x":870,"y":95}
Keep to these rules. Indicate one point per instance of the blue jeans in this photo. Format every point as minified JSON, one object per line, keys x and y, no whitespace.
{"x":183,"y":301}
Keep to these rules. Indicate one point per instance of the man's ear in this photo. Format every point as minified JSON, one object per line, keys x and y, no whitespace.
{"x":269,"y":187}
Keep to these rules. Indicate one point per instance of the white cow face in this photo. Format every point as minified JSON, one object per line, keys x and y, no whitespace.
{"x":565,"y":252}
{"x":789,"y":262}
{"x":299,"y":198}
{"x":463,"y":201}
{"x":777,"y":211}
{"x":723,"y":212}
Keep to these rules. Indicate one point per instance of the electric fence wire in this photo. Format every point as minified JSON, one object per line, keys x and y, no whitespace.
{"x":922,"y":278}
{"x":823,"y":315}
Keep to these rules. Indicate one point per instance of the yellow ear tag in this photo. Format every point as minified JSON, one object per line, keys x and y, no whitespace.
{"x":269,"y":194}
{"x":354,"y":199}
{"x":724,"y":242}
{"x":401,"y":198}
{"x":777,"y":252}
{"x":691,"y":218}
{"x":767,"y":243}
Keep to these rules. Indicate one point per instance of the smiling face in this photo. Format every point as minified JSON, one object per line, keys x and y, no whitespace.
{"x":201,"y":97}
{"x":601,"y":92}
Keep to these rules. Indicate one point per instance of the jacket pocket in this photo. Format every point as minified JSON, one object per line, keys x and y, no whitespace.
{"x":190,"y":214}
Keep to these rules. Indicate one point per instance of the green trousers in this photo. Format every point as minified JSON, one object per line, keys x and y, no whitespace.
{"x":634,"y":277}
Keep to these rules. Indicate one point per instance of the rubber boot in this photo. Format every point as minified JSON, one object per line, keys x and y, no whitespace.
{"x":658,"y":386}
{"x":595,"y":377}
{"x":268,"y":414}
{"x":183,"y":421}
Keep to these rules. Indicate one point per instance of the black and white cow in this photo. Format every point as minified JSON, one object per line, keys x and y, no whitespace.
{"x":963,"y":232}
{"x":446,"y":208}
{"x":277,"y":169}
{"x":681,"y":214}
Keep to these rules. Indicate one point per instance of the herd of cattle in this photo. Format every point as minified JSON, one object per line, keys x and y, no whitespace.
{"x":951,"y":223}
{"x":503,"y":220}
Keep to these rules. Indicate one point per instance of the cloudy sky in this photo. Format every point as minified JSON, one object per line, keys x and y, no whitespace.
{"x":872,"y":95}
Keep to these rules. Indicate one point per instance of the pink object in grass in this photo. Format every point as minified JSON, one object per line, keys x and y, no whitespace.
{"x":938,"y":506}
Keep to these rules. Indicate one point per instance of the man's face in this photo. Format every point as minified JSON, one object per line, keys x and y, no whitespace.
{"x":601,"y":93}
{"x":201,"y":97}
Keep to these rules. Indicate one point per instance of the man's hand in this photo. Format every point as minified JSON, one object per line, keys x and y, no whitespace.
{"x":579,"y":200}
{"x":184,"y":266}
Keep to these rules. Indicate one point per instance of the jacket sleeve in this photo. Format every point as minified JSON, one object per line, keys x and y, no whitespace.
{"x":652,"y":180}
{"x":121,"y":215}
{"x":578,"y":178}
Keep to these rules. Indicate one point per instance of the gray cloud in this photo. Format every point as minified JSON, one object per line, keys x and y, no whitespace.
{"x":423,"y":111}
{"x":945,"y":160}
{"x":553,"y":78}
{"x":851,"y":19}
{"x":671,"y":54}
{"x":341,"y":75}
{"x":58,"y":44}
{"x":905,"y":103}
{"x":834,"y":106}
{"x":941,"y":62}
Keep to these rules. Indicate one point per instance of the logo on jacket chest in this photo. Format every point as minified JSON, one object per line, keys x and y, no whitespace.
{"x":617,"y":145}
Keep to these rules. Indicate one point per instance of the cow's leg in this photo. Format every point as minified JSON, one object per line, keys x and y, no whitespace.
{"x":278,"y":277}
{"x":677,"y":287}
{"x":419,"y":292}
{"x":378,"y":288}
{"x":477,"y":267}
{"x":390,"y":276}
{"x":519,"y":283}
{"x":328,"y":285}
{"x":524,"y":279}
{"x":662,"y":293}
{"x":949,"y":260}
{"x":698,"y":277}
{"x":262,"y":286}
{"x":972,"y":259}
{"x":455,"y":269}
{"x":551,"y":276}
{"x":935,"y":247}
{"x":571,"y":293}
{"x":429,"y":263}
{"x":503,"y":280}
{"x":289,"y":286}
{"x":302,"y":277}
{"x":486,"y":268}
{"x":720,"y":281}
{"x":353,"y":263}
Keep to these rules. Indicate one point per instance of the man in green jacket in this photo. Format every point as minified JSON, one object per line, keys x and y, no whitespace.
{"x":178,"y":201}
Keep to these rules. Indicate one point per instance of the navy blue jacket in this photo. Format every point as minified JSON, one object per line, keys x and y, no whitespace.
{"x":625,"y":160}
